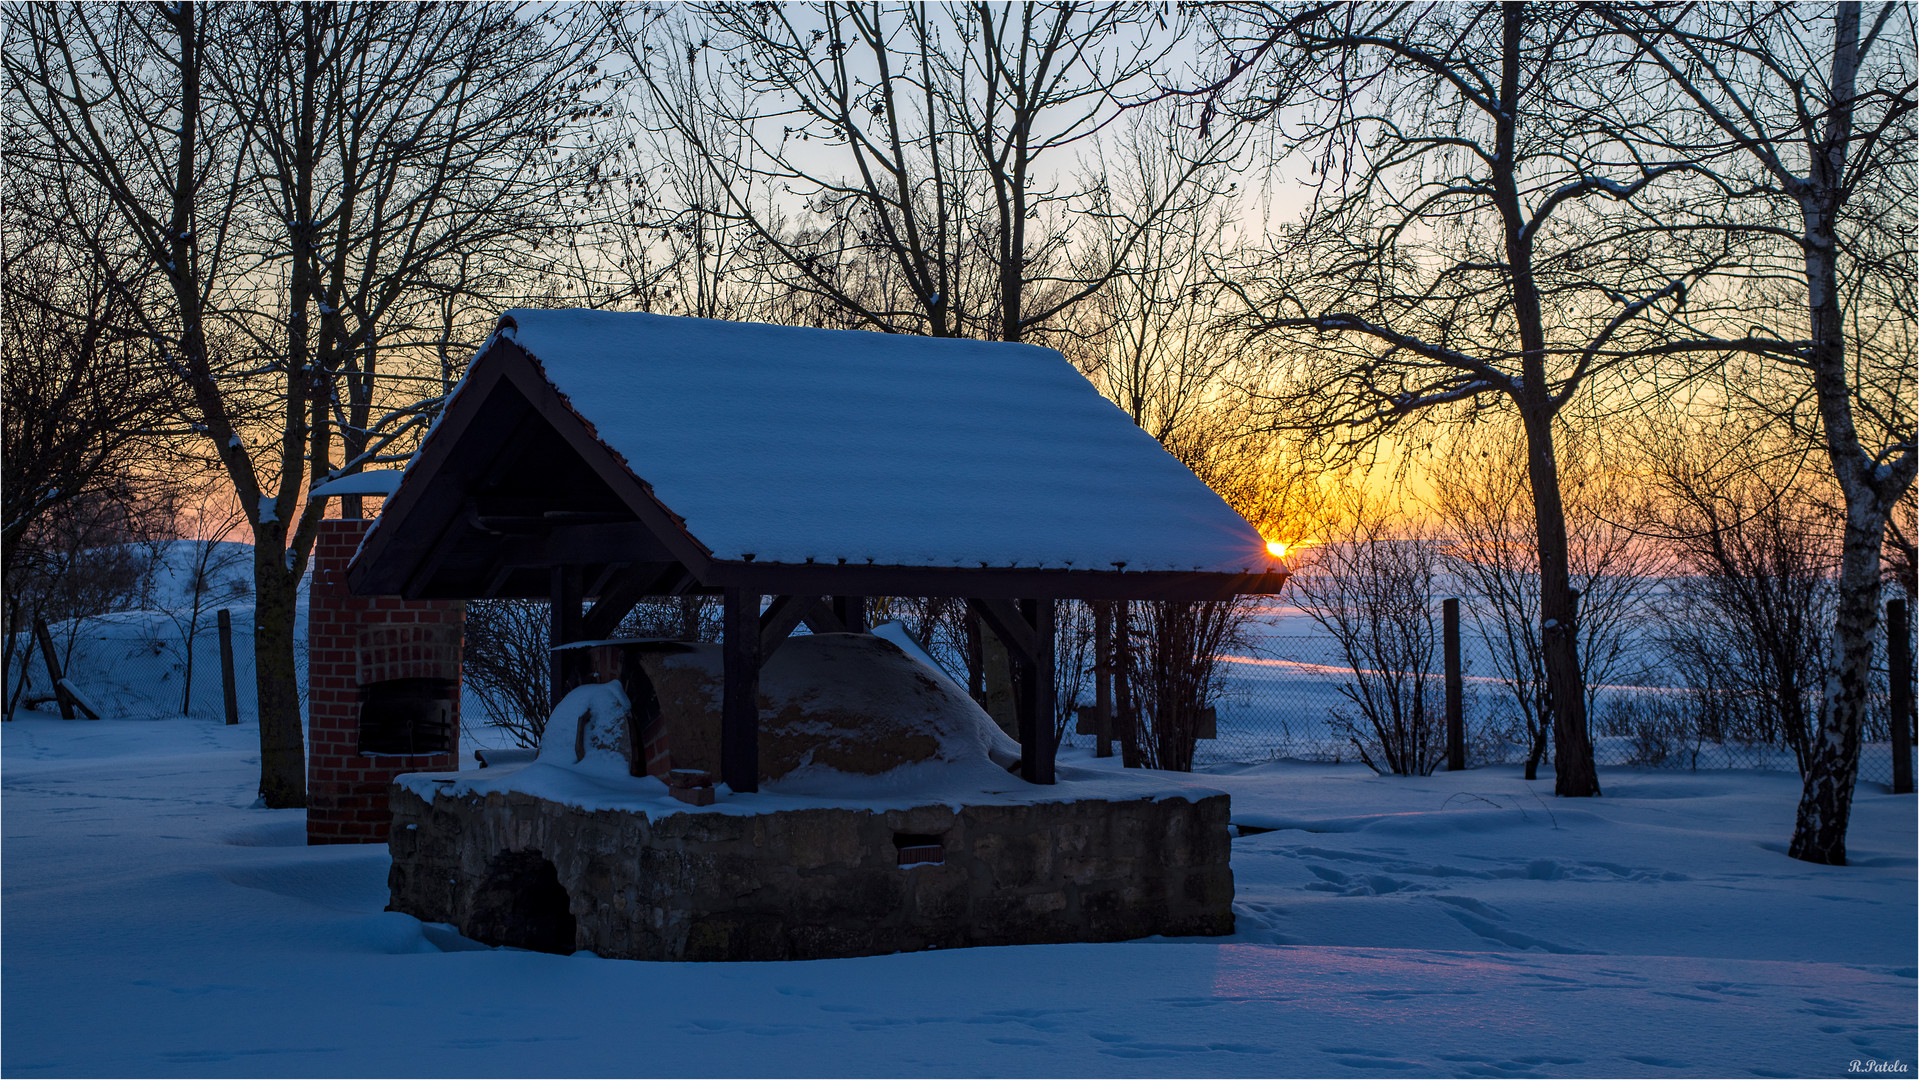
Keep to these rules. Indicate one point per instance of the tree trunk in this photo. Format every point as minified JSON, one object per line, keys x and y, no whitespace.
{"x":1832,"y":759}
{"x":282,"y":737}
{"x":1537,"y":724}
{"x":186,"y":682}
{"x":25,"y":651}
{"x":1574,"y":773}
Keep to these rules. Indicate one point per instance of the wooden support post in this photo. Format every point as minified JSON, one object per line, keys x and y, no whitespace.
{"x":1103,"y":677}
{"x":851,"y":612}
{"x":1899,"y":672}
{"x":1455,"y":691}
{"x":563,"y":627}
{"x":229,"y":689}
{"x":1126,"y":722}
{"x":740,"y":692}
{"x":57,"y":679}
{"x":1037,"y":741}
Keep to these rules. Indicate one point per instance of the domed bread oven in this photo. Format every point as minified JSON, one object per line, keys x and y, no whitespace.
{"x":834,"y":706}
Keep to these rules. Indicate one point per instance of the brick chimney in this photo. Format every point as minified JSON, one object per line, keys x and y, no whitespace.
{"x":383,"y":693}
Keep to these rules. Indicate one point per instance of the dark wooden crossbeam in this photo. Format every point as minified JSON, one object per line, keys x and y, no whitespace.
{"x":786,"y":613}
{"x":597,"y":587}
{"x":624,"y":593}
{"x":779,"y":620}
{"x":679,"y":581}
{"x":1006,"y":623}
{"x":1006,"y":582}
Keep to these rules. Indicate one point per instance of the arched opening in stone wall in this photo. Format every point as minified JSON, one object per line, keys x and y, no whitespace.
{"x":521,"y":903}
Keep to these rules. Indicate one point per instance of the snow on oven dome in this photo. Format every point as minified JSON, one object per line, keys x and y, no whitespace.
{"x":840,"y":715}
{"x":789,"y":445}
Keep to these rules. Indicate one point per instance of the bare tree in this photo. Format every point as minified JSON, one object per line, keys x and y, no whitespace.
{"x":1174,"y":672}
{"x":1072,"y":663}
{"x":206,"y":557}
{"x":292,"y":229}
{"x":402,"y":148}
{"x":1757,"y":537}
{"x":904,"y":167}
{"x":1480,"y":496}
{"x":1802,"y":116}
{"x":920,"y":151}
{"x":504,"y":662}
{"x":1150,"y":339}
{"x":1371,"y":588}
{"x":85,"y":404}
{"x":1474,"y":246}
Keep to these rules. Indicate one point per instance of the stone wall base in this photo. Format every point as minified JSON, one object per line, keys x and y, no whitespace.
{"x":509,"y":868}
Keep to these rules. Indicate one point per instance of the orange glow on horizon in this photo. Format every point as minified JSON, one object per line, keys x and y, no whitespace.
{"x":1279,"y":549}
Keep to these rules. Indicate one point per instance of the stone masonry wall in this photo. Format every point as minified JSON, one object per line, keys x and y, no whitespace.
{"x":352,"y":641}
{"x":811,"y":883}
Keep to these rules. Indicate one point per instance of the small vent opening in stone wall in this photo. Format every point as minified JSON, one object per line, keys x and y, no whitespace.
{"x":406,"y":716}
{"x":916,"y":849}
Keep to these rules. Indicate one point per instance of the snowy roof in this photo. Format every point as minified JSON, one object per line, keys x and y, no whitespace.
{"x":790,"y":446}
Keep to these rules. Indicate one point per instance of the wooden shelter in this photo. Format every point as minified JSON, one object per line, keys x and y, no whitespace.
{"x":611,"y":457}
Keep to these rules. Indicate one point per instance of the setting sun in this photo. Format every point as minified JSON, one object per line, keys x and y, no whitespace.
{"x":1277,"y":549}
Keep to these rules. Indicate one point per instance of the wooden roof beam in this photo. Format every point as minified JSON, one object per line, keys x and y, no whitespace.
{"x":624,"y":594}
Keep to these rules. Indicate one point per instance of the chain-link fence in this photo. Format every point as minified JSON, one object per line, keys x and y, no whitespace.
{"x":1292,"y":702}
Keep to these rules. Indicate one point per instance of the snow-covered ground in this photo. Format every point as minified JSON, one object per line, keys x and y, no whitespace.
{"x":156,"y":923}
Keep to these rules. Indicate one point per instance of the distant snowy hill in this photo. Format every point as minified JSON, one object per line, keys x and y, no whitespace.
{"x":138,"y":657}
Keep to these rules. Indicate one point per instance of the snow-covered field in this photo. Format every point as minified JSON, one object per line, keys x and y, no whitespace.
{"x":156,"y":923}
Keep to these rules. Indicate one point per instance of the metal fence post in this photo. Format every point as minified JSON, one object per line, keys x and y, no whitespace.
{"x":1899,"y":670}
{"x":1103,"y":677}
{"x":228,"y":693}
{"x":1455,"y":690}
